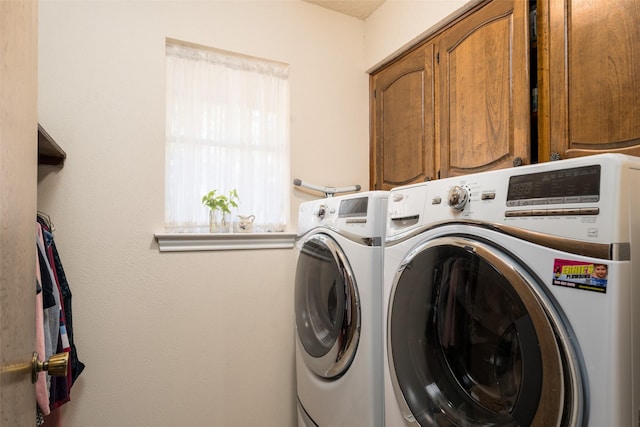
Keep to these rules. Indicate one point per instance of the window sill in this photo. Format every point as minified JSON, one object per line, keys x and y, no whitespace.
{"x":187,"y":242}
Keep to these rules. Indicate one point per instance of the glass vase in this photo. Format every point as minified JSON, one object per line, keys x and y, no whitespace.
{"x":219,"y":222}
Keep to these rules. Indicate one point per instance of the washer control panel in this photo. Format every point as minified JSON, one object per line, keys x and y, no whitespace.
{"x":585,"y":198}
{"x":562,"y":192}
{"x":543,"y":193}
{"x":575,"y":198}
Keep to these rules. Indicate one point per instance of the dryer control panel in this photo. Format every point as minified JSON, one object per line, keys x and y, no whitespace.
{"x":360,"y":214}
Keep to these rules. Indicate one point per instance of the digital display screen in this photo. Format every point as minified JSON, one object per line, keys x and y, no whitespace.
{"x":521,"y":189}
{"x":563,"y":183}
{"x":353,"y":207}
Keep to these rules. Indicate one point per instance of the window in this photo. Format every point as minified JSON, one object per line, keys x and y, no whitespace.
{"x":227,"y":128}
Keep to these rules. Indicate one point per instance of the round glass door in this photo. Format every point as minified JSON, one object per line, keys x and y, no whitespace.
{"x":326,"y":306}
{"x":470,"y":343}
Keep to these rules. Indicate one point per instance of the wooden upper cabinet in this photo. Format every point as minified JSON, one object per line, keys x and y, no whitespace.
{"x":589,"y":91}
{"x":402,"y":118}
{"x":484,"y":90}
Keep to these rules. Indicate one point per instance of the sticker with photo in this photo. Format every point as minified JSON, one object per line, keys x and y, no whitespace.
{"x":588,"y":276}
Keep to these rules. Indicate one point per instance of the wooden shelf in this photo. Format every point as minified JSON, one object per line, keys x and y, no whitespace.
{"x":49,"y":152}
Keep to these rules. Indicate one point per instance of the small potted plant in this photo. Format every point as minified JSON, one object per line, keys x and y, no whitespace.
{"x":220,"y":208}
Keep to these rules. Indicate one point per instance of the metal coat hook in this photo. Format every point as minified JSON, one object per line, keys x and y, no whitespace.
{"x":328,"y":191}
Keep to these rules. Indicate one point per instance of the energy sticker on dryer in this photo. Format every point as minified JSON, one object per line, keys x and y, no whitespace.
{"x":580,"y":275}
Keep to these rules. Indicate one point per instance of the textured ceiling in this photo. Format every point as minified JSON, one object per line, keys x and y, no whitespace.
{"x":360,"y":9}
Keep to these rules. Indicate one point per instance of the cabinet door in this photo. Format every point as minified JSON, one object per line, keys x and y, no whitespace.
{"x":484,"y":80}
{"x":591,"y":103}
{"x":402,"y":117}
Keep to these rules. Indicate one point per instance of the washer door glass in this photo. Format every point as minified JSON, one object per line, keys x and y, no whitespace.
{"x":327,"y":307}
{"x":469,"y":342}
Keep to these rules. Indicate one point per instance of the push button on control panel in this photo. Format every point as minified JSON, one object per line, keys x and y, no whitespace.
{"x":356,"y":221}
{"x":589,"y":211}
{"x":571,"y":211}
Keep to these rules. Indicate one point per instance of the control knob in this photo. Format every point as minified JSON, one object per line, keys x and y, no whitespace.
{"x":322,"y":211}
{"x":458,"y":197}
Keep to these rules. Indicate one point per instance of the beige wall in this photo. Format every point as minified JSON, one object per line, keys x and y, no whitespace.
{"x":398,"y":24}
{"x":200,"y":338}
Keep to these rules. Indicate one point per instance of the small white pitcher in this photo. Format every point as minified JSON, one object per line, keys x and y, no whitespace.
{"x":245,"y":223}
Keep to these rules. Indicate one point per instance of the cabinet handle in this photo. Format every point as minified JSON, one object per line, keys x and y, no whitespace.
{"x":517,"y":162}
{"x":554,"y":156}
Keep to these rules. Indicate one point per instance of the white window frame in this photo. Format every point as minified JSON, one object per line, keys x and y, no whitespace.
{"x":186,"y":229}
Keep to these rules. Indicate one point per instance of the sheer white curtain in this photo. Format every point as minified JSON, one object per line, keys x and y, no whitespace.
{"x":227,"y":128}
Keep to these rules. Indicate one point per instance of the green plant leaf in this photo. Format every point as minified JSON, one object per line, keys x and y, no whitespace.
{"x":220,"y":201}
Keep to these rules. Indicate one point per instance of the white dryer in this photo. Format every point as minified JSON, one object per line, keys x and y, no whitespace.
{"x":338,"y":310}
{"x":499,"y":313}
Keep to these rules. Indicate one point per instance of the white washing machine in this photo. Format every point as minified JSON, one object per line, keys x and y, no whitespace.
{"x":338,"y":310}
{"x":512,"y":299}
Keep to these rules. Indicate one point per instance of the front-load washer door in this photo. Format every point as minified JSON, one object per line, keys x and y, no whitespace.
{"x":327,"y":307}
{"x":470,"y":343}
